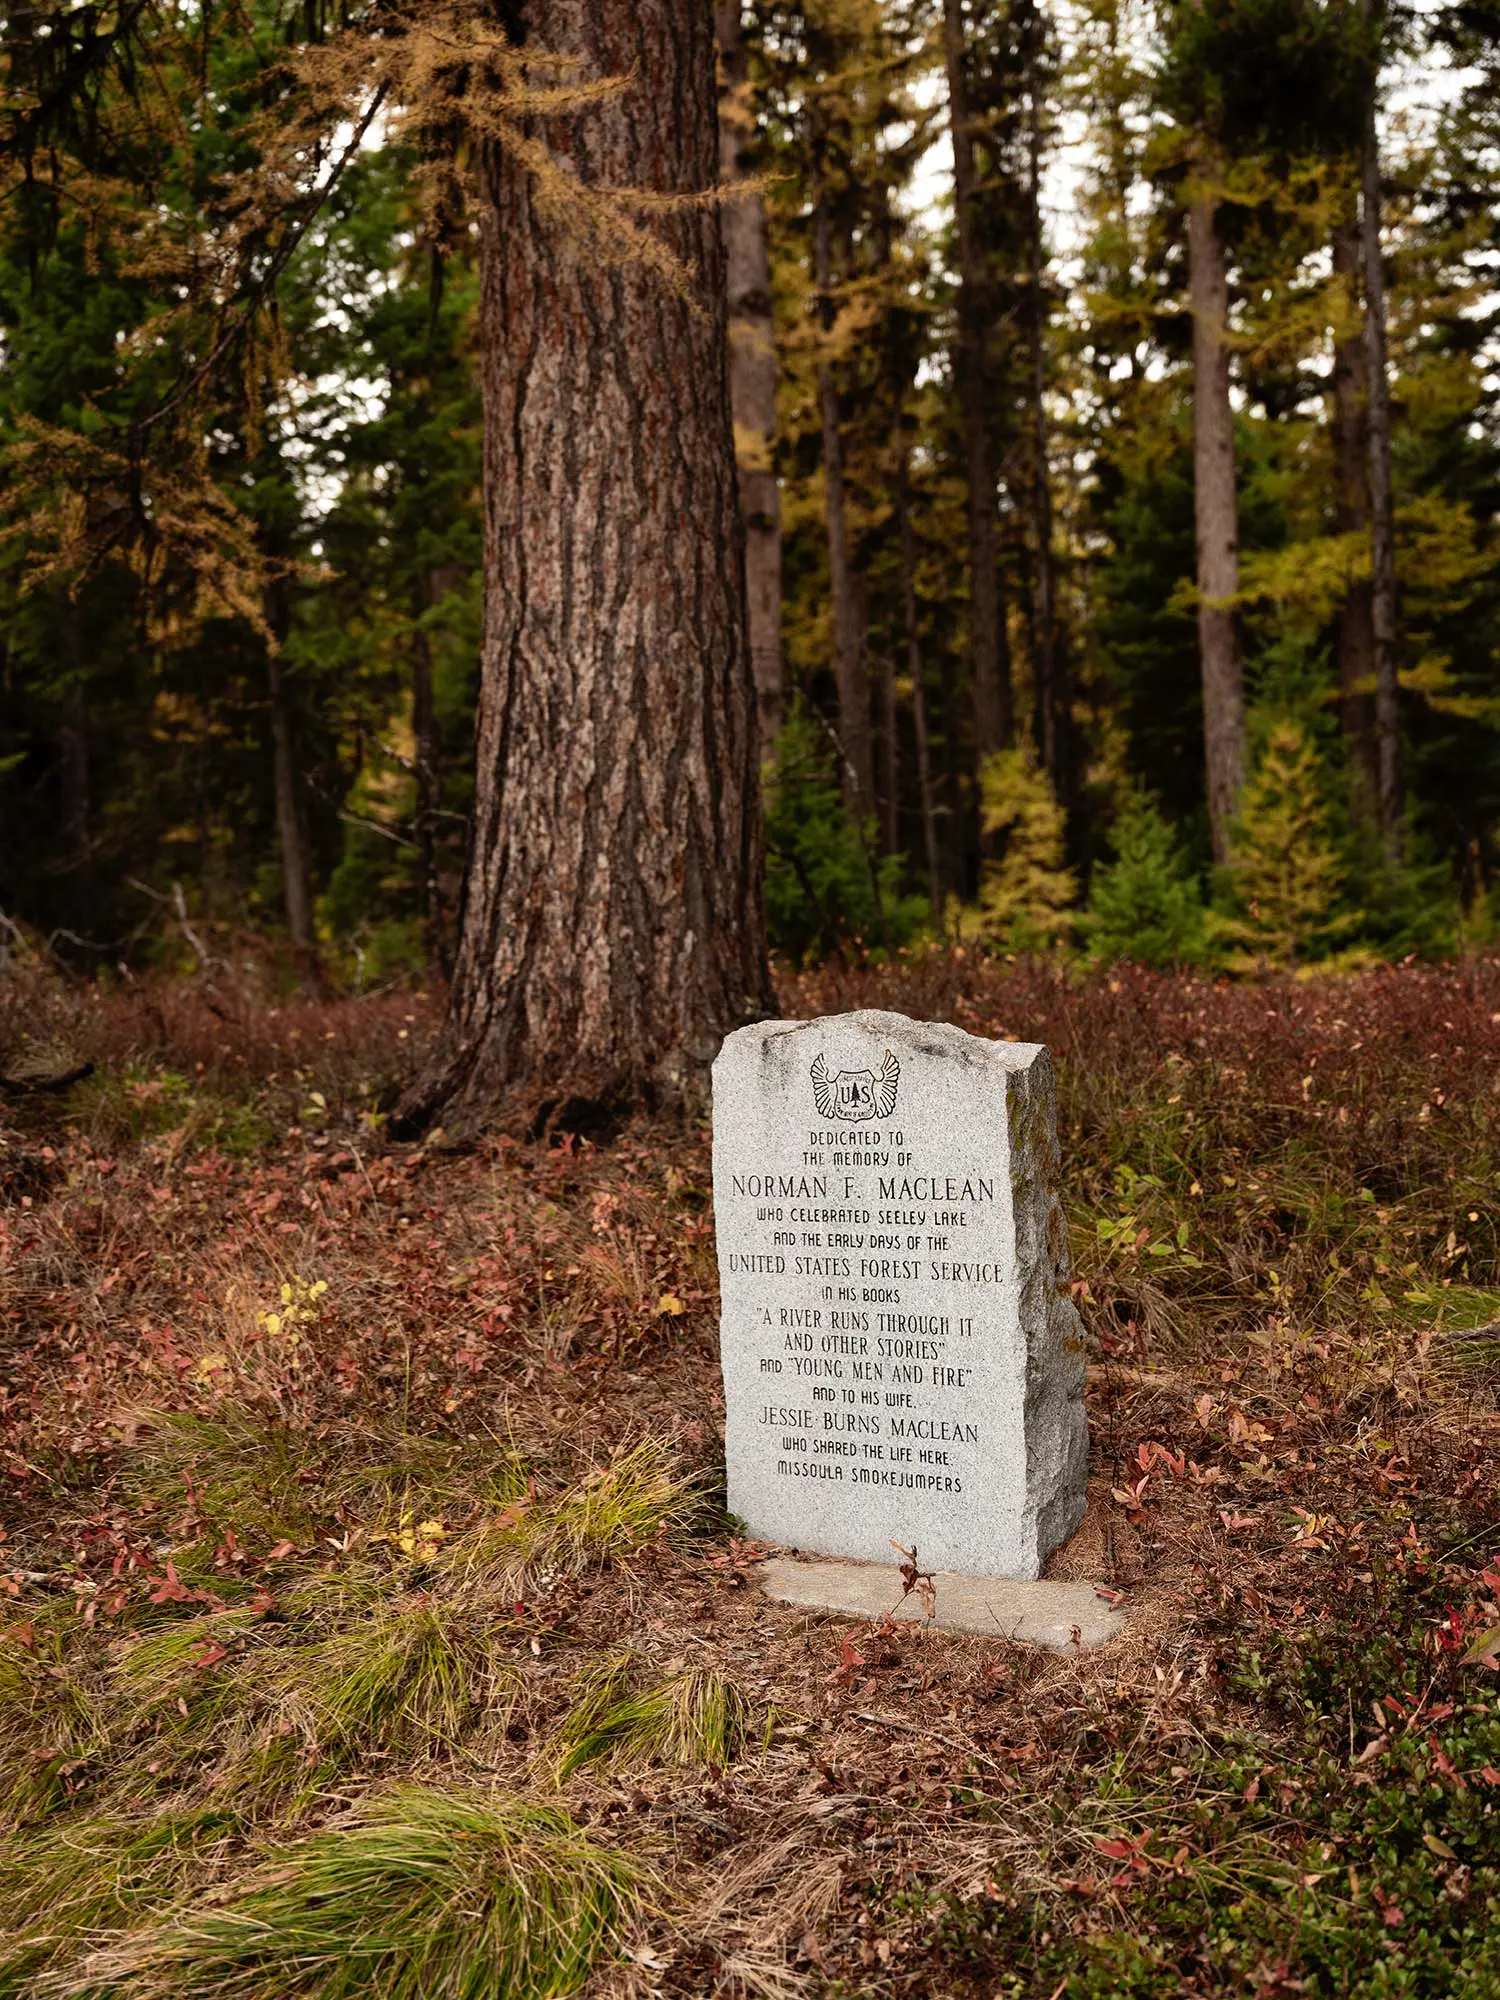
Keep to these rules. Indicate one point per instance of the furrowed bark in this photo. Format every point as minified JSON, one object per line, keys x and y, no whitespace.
{"x":1216,"y":514}
{"x":612,"y":928}
{"x":1356,"y":628}
{"x":752,"y":371}
{"x":989,"y":663}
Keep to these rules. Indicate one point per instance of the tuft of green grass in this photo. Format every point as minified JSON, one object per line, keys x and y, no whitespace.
{"x":634,"y":1500}
{"x":696,"y":1719}
{"x":99,"y":1873}
{"x":617,"y":1510}
{"x":263,"y":1711}
{"x":126,"y":1105}
{"x":416,"y":1670}
{"x":48,"y":1726}
{"x":132,"y":1731}
{"x":162,"y":1663}
{"x":23,"y":1682}
{"x":248,"y":1470}
{"x":167,"y":1693}
{"x":419,"y":1893}
{"x":412,"y":1674}
{"x":239,"y":1469}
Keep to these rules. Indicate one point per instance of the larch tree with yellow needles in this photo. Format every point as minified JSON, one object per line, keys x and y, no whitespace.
{"x":612,"y":927}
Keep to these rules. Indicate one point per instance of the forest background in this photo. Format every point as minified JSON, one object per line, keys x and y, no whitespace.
{"x":1114,"y":407}
{"x":1039,"y":499}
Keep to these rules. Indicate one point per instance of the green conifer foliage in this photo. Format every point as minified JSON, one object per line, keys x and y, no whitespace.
{"x":238,"y":387}
{"x":827,"y":890}
{"x":1285,"y":879}
{"x":1026,"y":891}
{"x":1146,"y":905}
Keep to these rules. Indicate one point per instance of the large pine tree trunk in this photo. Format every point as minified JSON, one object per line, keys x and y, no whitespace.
{"x":988,"y":653}
{"x":612,"y":928}
{"x":850,"y":665}
{"x":1382,"y":507}
{"x":752,"y":371}
{"x":1356,"y":627}
{"x":1216,"y":514}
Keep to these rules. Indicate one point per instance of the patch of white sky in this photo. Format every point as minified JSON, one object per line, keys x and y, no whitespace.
{"x":317,"y":412}
{"x":1416,"y":93}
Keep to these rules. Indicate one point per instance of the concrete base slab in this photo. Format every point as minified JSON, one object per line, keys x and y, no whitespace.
{"x":1067,"y":1617}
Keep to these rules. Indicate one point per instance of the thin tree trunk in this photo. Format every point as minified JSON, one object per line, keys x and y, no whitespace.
{"x":989,"y":664}
{"x":961,"y":827}
{"x":1382,"y":510}
{"x":291,"y":835}
{"x":752,"y":371}
{"x":908,"y":556}
{"x":851,"y":671}
{"x":891,"y":795}
{"x":73,"y":744}
{"x":612,"y":927}
{"x":1216,"y":514}
{"x":1356,"y":627}
{"x":424,"y":732}
{"x":73,"y":755}
{"x":1051,"y":695}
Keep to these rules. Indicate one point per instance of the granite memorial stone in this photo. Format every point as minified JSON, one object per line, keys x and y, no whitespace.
{"x":902,"y":1361}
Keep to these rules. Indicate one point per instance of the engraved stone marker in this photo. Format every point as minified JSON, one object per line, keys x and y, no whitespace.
{"x":902,"y":1362}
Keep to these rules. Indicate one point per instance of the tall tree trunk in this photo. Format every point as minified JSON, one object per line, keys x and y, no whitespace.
{"x":891,"y":743}
{"x":850,"y":666}
{"x":988,"y":650}
{"x":73,"y":746}
{"x":1048,"y":667}
{"x":1216,"y":512}
{"x":73,"y":757}
{"x":1382,"y":509}
{"x":612,"y":929}
{"x":1356,"y":626}
{"x":961,"y":827}
{"x":291,"y":834}
{"x":914,"y":668}
{"x":424,"y":733}
{"x":752,"y":371}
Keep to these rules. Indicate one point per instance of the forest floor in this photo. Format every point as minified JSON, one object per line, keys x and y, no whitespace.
{"x":370,"y":1622}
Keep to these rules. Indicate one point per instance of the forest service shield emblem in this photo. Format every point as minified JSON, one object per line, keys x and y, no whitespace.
{"x":856,"y":1093}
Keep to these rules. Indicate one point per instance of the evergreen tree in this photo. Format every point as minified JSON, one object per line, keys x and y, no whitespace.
{"x":1027,"y":891}
{"x":828,"y":889}
{"x":1285,"y":878}
{"x":239,"y":402}
{"x":1146,"y":905}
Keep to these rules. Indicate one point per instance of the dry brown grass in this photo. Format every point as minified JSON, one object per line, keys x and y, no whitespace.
{"x":495,"y":1332}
